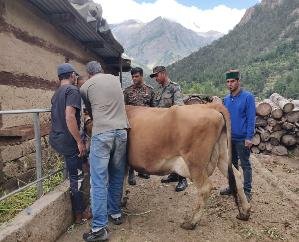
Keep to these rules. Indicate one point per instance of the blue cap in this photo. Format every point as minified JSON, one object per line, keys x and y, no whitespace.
{"x":65,"y":68}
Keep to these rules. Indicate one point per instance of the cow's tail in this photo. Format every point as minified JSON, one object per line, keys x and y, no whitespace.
{"x":231,"y":176}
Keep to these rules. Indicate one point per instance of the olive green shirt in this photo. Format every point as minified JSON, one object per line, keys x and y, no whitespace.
{"x":169,"y":95}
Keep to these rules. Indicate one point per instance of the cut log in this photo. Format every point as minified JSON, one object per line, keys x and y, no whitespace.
{"x":296,"y":151}
{"x":288,"y":126}
{"x":263,"y":109}
{"x":293,"y":116}
{"x":269,"y":147}
{"x":279,"y":150}
{"x":296,"y":103}
{"x":276,"y":110}
{"x":286,"y":105}
{"x":260,"y":121}
{"x":255,"y":150}
{"x":262,"y":146}
{"x":264,"y":134}
{"x":288,"y":140}
{"x":216,"y":99}
{"x":256,"y":139}
{"x":271,"y":121}
{"x":277,"y":127}
{"x":275,"y":137}
{"x":269,"y":128}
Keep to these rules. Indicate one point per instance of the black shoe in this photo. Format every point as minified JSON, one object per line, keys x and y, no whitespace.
{"x":101,"y":235}
{"x":132,"y":180}
{"x":182,"y":185}
{"x":226,"y":191}
{"x":116,"y":221}
{"x":248,"y":196}
{"x":144,"y":175}
{"x":173,"y":177}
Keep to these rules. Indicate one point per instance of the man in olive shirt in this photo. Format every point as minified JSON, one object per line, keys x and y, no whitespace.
{"x":138,"y":94}
{"x":167,"y":95}
{"x":103,"y":98}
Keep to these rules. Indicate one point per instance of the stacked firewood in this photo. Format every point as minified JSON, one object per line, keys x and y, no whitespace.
{"x":277,"y":126}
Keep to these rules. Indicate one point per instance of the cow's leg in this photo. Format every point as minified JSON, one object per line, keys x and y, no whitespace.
{"x":125,"y":197}
{"x":204,"y":187}
{"x":223,"y":164}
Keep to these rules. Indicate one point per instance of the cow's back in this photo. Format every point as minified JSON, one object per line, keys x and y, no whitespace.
{"x":163,"y":133}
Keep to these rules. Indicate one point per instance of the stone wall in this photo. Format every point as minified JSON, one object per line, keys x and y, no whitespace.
{"x":17,"y":163}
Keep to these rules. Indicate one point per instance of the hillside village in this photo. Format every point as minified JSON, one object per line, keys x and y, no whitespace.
{"x":38,"y":35}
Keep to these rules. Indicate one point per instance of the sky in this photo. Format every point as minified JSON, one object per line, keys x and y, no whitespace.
{"x":197,"y":15}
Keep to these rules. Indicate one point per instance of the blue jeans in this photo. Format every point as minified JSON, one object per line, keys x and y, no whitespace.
{"x":74,"y":167}
{"x":107,"y":170}
{"x":239,"y":151}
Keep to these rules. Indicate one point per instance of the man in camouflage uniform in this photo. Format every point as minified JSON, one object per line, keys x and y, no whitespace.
{"x":167,"y":95}
{"x":138,"y":94}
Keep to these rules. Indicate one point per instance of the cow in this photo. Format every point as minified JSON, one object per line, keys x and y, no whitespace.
{"x":191,"y":140}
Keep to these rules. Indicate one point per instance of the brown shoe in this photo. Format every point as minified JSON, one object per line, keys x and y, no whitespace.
{"x":86,"y":215}
{"x":78,"y":218}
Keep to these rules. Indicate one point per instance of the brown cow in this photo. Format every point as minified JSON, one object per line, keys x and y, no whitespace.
{"x":191,"y":140}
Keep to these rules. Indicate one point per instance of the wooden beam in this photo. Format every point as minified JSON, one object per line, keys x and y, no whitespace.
{"x":94,"y":44}
{"x":112,"y":60}
{"x":62,"y":18}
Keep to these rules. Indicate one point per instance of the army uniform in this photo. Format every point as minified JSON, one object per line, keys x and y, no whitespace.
{"x":139,"y":96}
{"x":168,"y":96}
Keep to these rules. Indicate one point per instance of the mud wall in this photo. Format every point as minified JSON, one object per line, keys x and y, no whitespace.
{"x":31,"y":48}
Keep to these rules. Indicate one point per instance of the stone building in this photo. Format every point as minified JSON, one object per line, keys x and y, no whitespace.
{"x":35,"y":37}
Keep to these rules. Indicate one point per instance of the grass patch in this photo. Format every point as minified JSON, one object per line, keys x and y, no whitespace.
{"x":273,"y":233}
{"x":249,"y":233}
{"x":11,"y":206}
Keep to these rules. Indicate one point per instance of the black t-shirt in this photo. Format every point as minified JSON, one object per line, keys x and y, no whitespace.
{"x":60,"y":137}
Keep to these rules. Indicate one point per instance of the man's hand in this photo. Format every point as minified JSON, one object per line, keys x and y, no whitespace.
{"x":81,"y":148}
{"x":248,"y":143}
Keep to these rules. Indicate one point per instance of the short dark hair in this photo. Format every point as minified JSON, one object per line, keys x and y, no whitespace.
{"x":65,"y":76}
{"x":136,"y":70}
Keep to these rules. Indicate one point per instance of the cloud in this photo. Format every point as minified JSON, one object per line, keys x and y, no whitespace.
{"x":220,"y":18}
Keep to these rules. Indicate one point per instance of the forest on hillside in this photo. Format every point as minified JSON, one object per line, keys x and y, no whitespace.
{"x":265,"y":49}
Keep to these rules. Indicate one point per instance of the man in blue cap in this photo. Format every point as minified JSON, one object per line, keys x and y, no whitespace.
{"x":65,"y":136}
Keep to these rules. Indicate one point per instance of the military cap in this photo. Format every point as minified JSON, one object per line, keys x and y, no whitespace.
{"x":156,"y":70}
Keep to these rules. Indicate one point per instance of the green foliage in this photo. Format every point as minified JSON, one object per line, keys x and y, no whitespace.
{"x":265,"y":49}
{"x":11,"y":206}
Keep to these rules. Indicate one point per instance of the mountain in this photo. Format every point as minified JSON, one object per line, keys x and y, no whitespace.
{"x":159,"y":42}
{"x":264,"y":46}
{"x":211,"y":35}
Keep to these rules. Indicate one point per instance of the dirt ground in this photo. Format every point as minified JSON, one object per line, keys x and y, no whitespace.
{"x":154,"y":211}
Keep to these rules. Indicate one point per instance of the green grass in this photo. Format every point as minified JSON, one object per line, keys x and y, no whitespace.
{"x":11,"y":206}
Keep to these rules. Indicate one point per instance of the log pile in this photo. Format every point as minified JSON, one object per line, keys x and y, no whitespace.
{"x":277,"y":126}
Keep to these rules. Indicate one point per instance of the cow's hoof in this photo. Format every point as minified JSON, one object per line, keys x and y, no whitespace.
{"x":188,"y":226}
{"x":124,"y":202}
{"x":244,"y":217}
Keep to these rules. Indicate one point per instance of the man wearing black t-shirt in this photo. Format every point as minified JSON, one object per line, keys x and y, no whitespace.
{"x":65,"y":136}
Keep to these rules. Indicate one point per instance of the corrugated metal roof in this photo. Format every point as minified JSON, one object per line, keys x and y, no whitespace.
{"x":79,"y":28}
